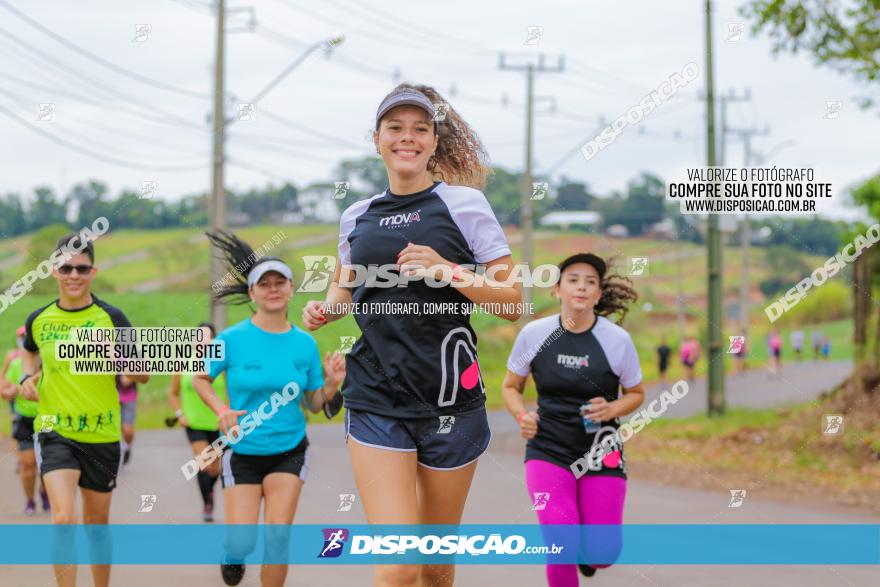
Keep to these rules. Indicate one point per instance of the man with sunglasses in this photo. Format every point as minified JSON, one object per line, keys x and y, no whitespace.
{"x":78,"y":422}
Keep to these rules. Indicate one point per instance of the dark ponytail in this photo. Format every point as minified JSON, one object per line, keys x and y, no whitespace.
{"x":240,"y":258}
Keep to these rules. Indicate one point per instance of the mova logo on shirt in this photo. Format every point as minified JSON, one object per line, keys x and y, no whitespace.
{"x":400,"y":219}
{"x":573,"y":361}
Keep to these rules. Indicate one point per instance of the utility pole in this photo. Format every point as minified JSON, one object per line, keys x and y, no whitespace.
{"x":732,"y":97}
{"x":217,"y":204}
{"x":527,"y":211}
{"x":713,"y":239}
{"x":724,"y":99}
{"x":745,"y":229}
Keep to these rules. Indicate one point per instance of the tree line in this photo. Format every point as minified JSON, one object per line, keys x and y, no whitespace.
{"x":638,"y":207}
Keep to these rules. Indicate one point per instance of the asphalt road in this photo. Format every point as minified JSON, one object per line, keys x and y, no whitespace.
{"x":498,"y":495}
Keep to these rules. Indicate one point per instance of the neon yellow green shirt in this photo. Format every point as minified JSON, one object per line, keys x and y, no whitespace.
{"x":85,"y":406}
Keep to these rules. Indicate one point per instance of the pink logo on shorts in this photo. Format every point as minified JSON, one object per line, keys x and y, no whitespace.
{"x":470,"y":376}
{"x":612,"y":459}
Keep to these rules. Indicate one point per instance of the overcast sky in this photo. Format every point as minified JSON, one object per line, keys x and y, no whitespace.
{"x":615,"y":53}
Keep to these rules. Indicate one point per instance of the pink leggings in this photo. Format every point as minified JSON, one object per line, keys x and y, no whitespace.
{"x":588,"y":500}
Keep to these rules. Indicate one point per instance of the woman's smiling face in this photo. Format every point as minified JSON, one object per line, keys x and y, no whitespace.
{"x":406,"y":140}
{"x":272,"y":292}
{"x":579,"y":287}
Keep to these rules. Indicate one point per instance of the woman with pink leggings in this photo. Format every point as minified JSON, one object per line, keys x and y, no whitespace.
{"x":580,"y":361}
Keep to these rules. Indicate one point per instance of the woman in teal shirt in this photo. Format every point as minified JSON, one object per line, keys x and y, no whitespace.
{"x":271,"y":368}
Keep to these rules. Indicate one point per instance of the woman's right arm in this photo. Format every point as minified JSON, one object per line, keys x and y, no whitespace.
{"x":512,"y":392}
{"x":226,"y":417}
{"x":337,"y":304}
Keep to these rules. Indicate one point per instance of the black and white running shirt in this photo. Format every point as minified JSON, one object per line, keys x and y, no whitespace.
{"x":569,"y":369}
{"x":413,"y":365}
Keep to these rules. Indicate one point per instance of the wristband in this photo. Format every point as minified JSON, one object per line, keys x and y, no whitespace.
{"x":456,"y":272}
{"x":178,"y":413}
{"x":223,"y":411}
{"x":519,"y":417}
{"x":24,"y":378}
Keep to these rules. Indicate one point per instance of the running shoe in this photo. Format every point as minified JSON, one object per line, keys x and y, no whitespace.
{"x":232,"y":573}
{"x":208,"y":513}
{"x":586,"y":570}
{"x":31,"y":508}
{"x":45,"y":498}
{"x":126,"y":456}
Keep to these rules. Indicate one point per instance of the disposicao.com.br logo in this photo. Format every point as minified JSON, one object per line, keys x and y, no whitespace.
{"x":431,"y":544}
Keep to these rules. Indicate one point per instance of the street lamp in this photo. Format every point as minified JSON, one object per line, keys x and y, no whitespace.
{"x":327,"y":44}
{"x":217,"y":209}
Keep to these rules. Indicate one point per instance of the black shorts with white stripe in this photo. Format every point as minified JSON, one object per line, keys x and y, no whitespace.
{"x":239,"y":469}
{"x":99,"y":463}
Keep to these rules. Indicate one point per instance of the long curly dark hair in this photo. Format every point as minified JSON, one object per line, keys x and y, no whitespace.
{"x":240,"y":260}
{"x":461,"y":158}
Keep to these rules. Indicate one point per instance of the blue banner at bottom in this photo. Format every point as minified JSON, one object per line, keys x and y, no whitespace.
{"x":488,"y":544}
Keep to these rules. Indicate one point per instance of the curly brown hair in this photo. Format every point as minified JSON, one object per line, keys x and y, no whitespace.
{"x":617,"y":295}
{"x":460,"y":158}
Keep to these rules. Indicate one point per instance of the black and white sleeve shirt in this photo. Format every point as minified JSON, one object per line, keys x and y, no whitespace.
{"x":416,"y":365}
{"x":570,"y":369}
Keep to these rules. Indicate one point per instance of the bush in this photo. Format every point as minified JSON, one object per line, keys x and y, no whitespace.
{"x":830,"y":301}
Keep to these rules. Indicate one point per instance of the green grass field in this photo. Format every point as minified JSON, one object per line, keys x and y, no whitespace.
{"x":180,"y":255}
{"x":495,"y":339}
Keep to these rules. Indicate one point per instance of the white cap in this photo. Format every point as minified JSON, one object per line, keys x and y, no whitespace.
{"x":261,"y":269}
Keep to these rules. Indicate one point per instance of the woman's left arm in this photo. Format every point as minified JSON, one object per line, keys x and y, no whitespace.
{"x":493,"y":291}
{"x":334,"y":367}
{"x":479,"y":289}
{"x":601,"y":410}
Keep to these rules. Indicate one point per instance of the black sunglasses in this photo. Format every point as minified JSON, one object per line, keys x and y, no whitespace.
{"x":81,"y":269}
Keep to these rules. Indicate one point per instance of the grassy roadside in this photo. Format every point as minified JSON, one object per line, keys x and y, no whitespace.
{"x":774,"y":452}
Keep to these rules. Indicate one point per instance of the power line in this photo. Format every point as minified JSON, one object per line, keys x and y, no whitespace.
{"x":26,"y":103}
{"x":95,"y":154}
{"x":78,"y":76}
{"x":576,"y":65}
{"x":98,"y":59}
{"x":409,"y":27}
{"x":578,"y":85}
{"x":368,"y":34}
{"x":368,"y":69}
{"x":287,"y":122}
{"x":281,"y":37}
{"x":284,"y":148}
{"x":550,"y":139}
{"x":564,"y":159}
{"x":288,"y":141}
{"x":86,"y":100}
